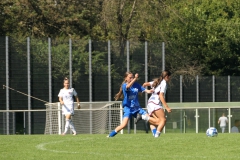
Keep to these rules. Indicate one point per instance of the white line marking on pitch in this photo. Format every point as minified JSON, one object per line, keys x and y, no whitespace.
{"x":42,"y":146}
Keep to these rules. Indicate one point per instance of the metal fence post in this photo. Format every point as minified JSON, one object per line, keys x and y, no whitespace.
{"x":109,"y":86}
{"x":128,"y":69}
{"x":163,"y":56}
{"x":7,"y":84}
{"x":90,"y":83}
{"x":29,"y":83}
{"x":50,"y":69}
{"x":213,"y":93}
{"x":70,"y":62}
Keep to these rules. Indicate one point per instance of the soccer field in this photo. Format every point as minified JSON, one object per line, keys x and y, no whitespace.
{"x":126,"y":146}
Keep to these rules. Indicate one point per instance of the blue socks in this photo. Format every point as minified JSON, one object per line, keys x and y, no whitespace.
{"x":112,"y":134}
{"x":154,"y":131}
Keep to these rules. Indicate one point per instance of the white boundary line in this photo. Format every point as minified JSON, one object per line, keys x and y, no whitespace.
{"x":42,"y":146}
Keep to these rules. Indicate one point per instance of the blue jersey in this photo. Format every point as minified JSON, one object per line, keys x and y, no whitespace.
{"x":131,"y":95}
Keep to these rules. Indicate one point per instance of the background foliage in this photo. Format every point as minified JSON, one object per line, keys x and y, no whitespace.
{"x":201,"y":36}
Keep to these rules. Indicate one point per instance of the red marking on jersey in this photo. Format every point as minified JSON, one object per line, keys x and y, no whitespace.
{"x":153,"y":102}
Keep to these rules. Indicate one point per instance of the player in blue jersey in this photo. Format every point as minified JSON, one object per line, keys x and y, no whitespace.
{"x":129,"y":92}
{"x":157,"y":101}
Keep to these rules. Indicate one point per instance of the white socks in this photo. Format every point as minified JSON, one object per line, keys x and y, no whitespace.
{"x":66,"y":126}
{"x":69,"y":123}
{"x":157,"y":134}
{"x":72,"y":126}
{"x":144,"y":117}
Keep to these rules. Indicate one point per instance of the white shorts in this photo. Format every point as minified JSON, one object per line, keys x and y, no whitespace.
{"x":68,"y":109}
{"x":151,"y":107}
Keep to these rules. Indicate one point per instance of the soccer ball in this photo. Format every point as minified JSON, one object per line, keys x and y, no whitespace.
{"x":212,"y":132}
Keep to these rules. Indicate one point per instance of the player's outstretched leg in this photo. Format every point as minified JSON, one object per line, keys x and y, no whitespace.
{"x":161,"y":115}
{"x":119,"y":128}
{"x":112,"y":134}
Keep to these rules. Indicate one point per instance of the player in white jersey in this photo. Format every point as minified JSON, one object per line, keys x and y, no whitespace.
{"x":66,"y":99}
{"x":223,"y":122}
{"x":157,"y":101}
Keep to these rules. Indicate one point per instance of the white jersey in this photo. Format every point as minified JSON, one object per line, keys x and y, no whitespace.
{"x":161,"y":88}
{"x":223,"y":121}
{"x":67,"y":95}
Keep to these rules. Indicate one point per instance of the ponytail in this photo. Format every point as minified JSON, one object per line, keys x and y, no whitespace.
{"x":119,"y":94}
{"x":157,"y":81}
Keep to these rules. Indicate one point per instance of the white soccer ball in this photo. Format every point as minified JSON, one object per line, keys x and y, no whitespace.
{"x":212,"y":132}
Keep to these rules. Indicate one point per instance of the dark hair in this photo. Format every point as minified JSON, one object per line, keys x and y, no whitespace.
{"x":120,"y":92}
{"x":157,"y":81}
{"x":65,"y":79}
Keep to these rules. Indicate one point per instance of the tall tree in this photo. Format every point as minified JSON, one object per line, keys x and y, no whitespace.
{"x":34,"y":18}
{"x":117,"y":20}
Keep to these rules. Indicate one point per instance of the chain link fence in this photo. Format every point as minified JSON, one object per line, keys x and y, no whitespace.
{"x":37,"y":67}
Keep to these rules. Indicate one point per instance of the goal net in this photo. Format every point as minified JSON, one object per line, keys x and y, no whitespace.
{"x":92,"y":118}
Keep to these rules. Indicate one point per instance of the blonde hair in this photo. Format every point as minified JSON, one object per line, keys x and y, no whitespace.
{"x":120,"y":92}
{"x":157,"y":81}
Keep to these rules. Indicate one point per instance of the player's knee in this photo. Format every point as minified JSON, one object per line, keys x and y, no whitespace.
{"x":164,"y":119}
{"x":158,"y":120}
{"x":68,"y":116}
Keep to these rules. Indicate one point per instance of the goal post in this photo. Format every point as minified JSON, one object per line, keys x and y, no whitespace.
{"x":92,"y":118}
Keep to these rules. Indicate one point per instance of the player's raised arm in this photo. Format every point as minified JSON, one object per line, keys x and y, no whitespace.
{"x":146,"y":84}
{"x":149,"y":91}
{"x":134,"y":79}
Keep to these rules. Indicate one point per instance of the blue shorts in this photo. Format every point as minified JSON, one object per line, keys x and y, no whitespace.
{"x":128,"y":111}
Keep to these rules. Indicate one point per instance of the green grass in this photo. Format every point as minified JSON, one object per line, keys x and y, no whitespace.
{"x":127,"y":146}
